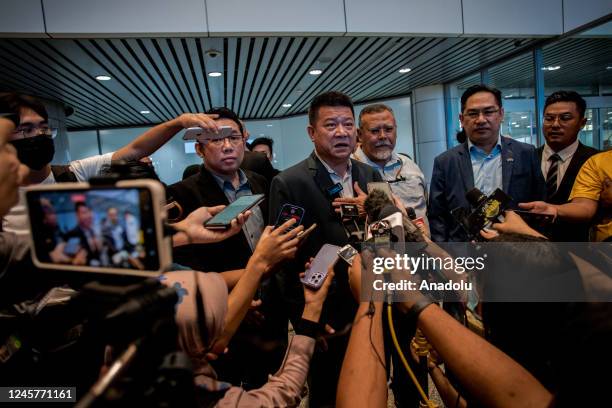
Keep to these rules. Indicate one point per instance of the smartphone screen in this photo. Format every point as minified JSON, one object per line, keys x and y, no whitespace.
{"x":316,"y":274}
{"x":290,"y":211}
{"x":242,"y":204}
{"x":99,"y":228}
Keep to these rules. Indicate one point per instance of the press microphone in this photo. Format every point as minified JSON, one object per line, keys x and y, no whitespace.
{"x":487,"y":210}
{"x":375,"y":202}
{"x":418,"y":221}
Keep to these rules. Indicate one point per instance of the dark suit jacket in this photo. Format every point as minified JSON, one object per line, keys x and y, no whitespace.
{"x":452,"y":177}
{"x":564,"y":231}
{"x":305,"y":185}
{"x":259,"y":163}
{"x":202,"y":189}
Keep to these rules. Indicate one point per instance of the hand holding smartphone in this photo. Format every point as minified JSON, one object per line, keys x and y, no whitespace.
{"x":316,"y":274}
{"x":223,"y":220}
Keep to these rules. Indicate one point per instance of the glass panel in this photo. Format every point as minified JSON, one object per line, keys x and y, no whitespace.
{"x":454,"y":91}
{"x":606,"y":128}
{"x":515,"y":79}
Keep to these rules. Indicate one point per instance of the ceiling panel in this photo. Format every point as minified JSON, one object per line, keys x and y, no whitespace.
{"x":259,"y":74}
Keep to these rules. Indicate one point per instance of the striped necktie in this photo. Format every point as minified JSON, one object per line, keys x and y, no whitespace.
{"x":551,"y":177}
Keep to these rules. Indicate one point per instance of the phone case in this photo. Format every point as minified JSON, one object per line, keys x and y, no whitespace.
{"x":316,"y":274}
{"x":287,"y":212}
{"x":214,"y":222}
{"x":164,"y":244}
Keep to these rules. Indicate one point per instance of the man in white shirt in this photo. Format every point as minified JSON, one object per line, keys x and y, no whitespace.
{"x":378,"y":134}
{"x":563,"y":155}
{"x":33,"y":139}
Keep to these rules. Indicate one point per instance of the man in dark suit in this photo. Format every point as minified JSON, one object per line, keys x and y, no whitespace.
{"x":313,"y":184}
{"x":220,"y":181}
{"x":486,"y":160}
{"x":84,"y":232}
{"x":562,"y":156}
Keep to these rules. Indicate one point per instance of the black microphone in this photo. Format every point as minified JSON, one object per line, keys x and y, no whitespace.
{"x":486,"y":210}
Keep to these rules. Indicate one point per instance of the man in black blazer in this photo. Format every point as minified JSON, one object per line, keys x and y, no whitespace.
{"x":219,"y":182}
{"x":562,"y":156}
{"x":486,"y":160}
{"x":312,"y":184}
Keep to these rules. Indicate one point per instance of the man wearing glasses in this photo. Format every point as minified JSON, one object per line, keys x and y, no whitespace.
{"x":33,"y":140}
{"x":378,"y":134}
{"x":486,"y":161}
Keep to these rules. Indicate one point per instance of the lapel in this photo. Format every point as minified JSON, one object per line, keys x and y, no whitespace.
{"x":507,"y":158}
{"x":465,"y":167}
{"x":210,"y":191}
{"x":320,"y":174}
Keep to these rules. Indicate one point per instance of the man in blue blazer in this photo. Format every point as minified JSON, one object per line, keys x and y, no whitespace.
{"x":486,"y":160}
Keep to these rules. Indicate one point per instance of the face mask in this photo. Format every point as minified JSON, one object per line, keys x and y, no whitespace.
{"x":35,"y":152}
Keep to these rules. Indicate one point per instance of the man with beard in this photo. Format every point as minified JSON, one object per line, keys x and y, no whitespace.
{"x":33,"y":139}
{"x":378,"y":135}
{"x":486,"y":160}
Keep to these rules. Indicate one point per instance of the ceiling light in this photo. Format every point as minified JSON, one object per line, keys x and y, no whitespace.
{"x":262,"y":134}
{"x":551,"y":68}
{"x":286,"y":105}
{"x":214,"y":74}
{"x":513,"y":123}
{"x":523,"y":117}
{"x":315,"y":71}
{"x":145,"y":112}
{"x":517,"y":126}
{"x":404,"y":70}
{"x":508,"y":96}
{"x":269,"y":125}
{"x":609,"y":67}
{"x":103,"y":78}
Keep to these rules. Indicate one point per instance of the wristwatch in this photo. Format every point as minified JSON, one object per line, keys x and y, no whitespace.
{"x":418,"y":307}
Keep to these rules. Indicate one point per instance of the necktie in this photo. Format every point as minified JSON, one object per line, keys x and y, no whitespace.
{"x":551,"y":177}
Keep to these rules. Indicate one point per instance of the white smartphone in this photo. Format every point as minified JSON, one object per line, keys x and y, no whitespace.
{"x":199,"y":134}
{"x":84,"y":228}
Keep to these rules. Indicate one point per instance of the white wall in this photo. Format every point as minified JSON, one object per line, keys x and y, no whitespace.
{"x":157,"y":18}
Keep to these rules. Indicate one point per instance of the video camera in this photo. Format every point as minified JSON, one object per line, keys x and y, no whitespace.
{"x":114,"y":232}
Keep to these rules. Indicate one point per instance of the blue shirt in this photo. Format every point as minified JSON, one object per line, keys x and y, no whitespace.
{"x":486,"y":168}
{"x":253,"y":227}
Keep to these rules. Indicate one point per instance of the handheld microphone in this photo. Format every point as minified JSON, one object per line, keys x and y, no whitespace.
{"x":486,"y":209}
{"x":419,"y":222}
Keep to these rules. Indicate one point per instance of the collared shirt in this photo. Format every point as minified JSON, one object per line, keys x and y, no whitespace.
{"x":565,"y":154}
{"x":405,"y":179}
{"x":346,"y":181}
{"x":254,"y":226}
{"x":486,"y":168}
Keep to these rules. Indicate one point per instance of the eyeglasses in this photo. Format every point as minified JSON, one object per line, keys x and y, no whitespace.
{"x":383,"y":129}
{"x":564,"y":117}
{"x":31,"y":131}
{"x":235,"y":140}
{"x":474,"y":114}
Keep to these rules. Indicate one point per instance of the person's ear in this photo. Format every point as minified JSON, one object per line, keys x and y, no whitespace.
{"x":583,"y":122}
{"x":311,"y":132}
{"x":199,"y":148}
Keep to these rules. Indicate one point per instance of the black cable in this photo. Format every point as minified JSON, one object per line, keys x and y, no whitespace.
{"x":371,"y":311}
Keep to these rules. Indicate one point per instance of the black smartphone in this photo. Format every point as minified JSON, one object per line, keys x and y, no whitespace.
{"x":290,"y":211}
{"x":316,"y":274}
{"x":224,"y":219}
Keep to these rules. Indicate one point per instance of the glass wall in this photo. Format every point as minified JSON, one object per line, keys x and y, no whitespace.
{"x":581,"y":63}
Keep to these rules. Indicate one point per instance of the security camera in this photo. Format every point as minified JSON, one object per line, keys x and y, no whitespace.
{"x":213,"y":53}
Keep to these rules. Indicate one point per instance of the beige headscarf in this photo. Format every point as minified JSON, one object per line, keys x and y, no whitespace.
{"x":213,"y":291}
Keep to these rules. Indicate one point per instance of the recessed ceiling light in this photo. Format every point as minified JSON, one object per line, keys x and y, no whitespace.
{"x":286,"y":105}
{"x":269,"y":125}
{"x":214,"y":74}
{"x":404,"y":70}
{"x":609,"y":67}
{"x":262,"y":134}
{"x":517,"y":126}
{"x":103,"y":78}
{"x":145,"y":112}
{"x":551,"y":68}
{"x":513,"y":123}
{"x":523,"y":117}
{"x":508,"y":96}
{"x":315,"y":72}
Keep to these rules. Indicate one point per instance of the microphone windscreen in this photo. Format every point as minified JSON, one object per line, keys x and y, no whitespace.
{"x":475,"y":197}
{"x":387,"y":210}
{"x":375,"y":202}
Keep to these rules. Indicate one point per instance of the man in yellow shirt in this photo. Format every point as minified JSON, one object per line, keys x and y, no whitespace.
{"x":584,"y":201}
